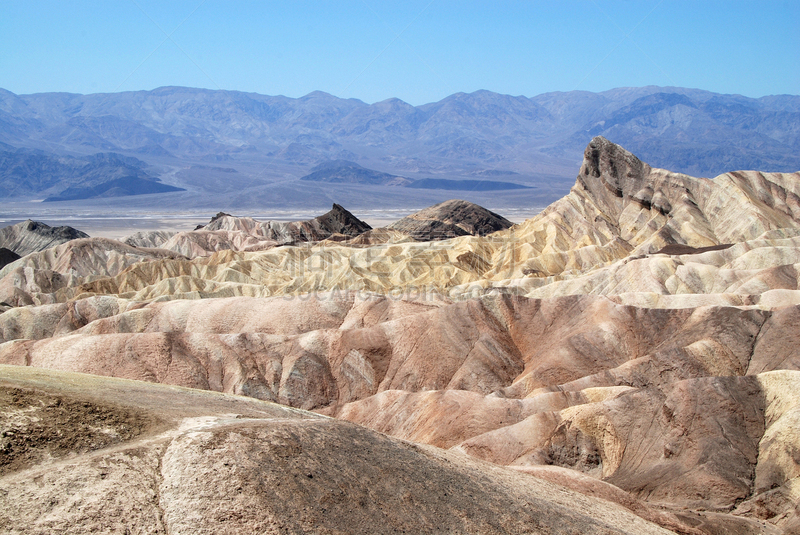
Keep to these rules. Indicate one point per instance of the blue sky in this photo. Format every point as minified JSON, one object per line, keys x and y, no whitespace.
{"x":419,"y":51}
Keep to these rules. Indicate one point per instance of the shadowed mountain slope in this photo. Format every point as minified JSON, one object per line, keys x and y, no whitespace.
{"x":7,"y":256}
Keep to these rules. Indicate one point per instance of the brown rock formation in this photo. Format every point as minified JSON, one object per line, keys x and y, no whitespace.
{"x":451,"y":219}
{"x":226,"y":232}
{"x":336,"y":221}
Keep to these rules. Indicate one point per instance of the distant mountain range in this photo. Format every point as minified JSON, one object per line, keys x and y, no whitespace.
{"x":170,"y":139}
{"x":35,"y":172}
{"x":345,"y":172}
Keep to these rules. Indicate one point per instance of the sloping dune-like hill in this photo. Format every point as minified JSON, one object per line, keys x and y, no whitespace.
{"x":90,"y":454}
{"x":635,"y":342}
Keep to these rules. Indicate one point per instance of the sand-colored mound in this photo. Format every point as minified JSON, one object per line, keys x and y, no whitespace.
{"x":739,"y":275}
{"x":199,"y":243}
{"x":155,"y":459}
{"x":151,"y":239}
{"x":44,"y":321}
{"x":35,"y":278}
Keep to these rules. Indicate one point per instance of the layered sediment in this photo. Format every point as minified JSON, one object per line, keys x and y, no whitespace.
{"x":634,"y":342}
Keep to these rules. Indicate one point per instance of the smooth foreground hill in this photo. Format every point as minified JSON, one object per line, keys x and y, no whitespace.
{"x":636,"y":343}
{"x":85,"y":454}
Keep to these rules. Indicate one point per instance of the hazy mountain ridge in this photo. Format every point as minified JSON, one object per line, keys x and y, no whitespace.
{"x":270,"y":138}
{"x":347,"y":172}
{"x":31,"y":171}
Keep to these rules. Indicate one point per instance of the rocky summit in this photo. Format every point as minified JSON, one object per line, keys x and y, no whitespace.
{"x":450,"y":219}
{"x":624,"y":362}
{"x":32,"y":236}
{"x":226,"y":232}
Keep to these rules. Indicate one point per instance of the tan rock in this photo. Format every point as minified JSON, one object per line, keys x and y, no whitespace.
{"x":210,"y":463}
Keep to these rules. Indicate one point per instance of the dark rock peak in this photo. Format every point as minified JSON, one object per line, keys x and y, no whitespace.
{"x":340,"y":221}
{"x":613,"y":177}
{"x":618,"y":170}
{"x":42,"y":229}
{"x":7,"y":256}
{"x":31,"y":236}
{"x":220,"y":215}
{"x":450,"y":219}
{"x":216,"y":217}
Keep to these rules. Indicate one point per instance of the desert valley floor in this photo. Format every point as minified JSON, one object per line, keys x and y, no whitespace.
{"x":626,"y":361}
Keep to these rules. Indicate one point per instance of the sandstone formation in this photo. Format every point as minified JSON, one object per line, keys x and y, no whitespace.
{"x":37,"y":277}
{"x":225,"y":232}
{"x":610,"y":216}
{"x":83,"y":454}
{"x":148,"y":239}
{"x":32,"y":236}
{"x":635,"y":342}
{"x":336,"y":221}
{"x":450,"y":219}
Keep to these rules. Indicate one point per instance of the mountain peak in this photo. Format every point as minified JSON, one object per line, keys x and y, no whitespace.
{"x":30,"y":236}
{"x":449,"y":219}
{"x":607,"y":164}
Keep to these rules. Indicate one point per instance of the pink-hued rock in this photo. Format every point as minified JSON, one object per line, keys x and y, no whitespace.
{"x":90,"y":454}
{"x":636,"y":342}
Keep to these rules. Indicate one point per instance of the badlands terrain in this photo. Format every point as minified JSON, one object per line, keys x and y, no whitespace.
{"x":625,"y":362}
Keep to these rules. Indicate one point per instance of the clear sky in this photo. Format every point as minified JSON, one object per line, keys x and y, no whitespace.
{"x":418,"y":51}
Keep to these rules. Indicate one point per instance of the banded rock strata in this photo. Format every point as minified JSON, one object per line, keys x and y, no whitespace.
{"x":609,"y":216}
{"x":636,"y":341}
